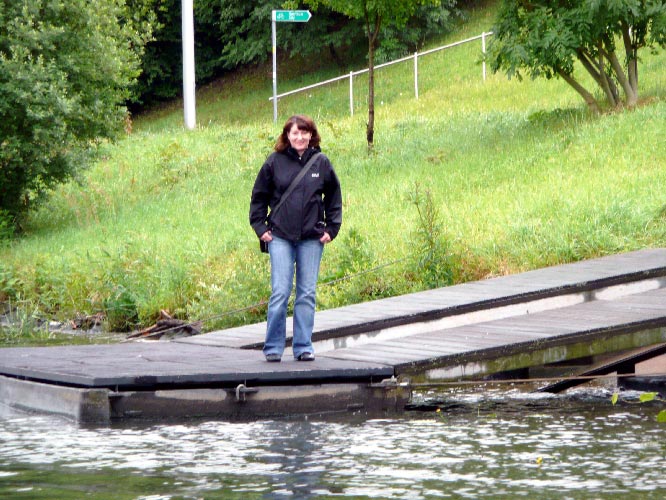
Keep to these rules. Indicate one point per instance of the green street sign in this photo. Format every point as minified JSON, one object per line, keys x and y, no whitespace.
{"x":291,"y":16}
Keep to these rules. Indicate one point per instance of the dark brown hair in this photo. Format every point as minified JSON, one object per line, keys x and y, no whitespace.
{"x":304,"y":123}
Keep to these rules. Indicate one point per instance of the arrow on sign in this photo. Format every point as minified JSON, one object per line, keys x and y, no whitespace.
{"x":291,"y":16}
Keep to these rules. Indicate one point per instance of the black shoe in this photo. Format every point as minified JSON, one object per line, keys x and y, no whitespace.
{"x":306,"y":356}
{"x":273,"y":358}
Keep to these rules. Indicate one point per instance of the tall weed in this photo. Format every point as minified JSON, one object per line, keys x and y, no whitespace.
{"x":433,"y":258}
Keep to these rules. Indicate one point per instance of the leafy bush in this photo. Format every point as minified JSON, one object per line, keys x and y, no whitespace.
{"x":6,"y":226}
{"x":65,"y":71}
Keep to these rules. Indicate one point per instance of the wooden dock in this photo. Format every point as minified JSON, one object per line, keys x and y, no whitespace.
{"x":367,"y":354}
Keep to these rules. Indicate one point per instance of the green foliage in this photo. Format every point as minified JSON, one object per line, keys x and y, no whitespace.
{"x":374,"y":16}
{"x":548,"y":39}
{"x":645,"y":397}
{"x":356,"y":254}
{"x":7,"y":226}
{"x":162,"y":71}
{"x":9,"y":284}
{"x":427,"y":22}
{"x":22,"y":325}
{"x":65,"y":71}
{"x":358,"y":273}
{"x":232,"y":34}
{"x":396,"y":12}
{"x":431,"y":247}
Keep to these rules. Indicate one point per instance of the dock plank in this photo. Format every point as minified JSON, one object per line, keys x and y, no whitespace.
{"x":167,"y":363}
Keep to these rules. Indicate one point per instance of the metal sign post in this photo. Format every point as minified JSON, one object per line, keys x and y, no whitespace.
{"x":283,"y":16}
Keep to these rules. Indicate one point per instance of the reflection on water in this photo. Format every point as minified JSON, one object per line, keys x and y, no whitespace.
{"x":495,"y":445}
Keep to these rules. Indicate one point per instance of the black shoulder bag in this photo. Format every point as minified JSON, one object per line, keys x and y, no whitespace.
{"x":263,"y":245}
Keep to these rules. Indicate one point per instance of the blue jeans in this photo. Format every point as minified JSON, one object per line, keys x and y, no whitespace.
{"x":304,"y":256}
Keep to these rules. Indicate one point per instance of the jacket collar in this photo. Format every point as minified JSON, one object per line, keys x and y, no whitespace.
{"x":291,"y":152}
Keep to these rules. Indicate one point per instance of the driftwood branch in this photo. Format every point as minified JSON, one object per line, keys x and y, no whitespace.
{"x":167,"y":326}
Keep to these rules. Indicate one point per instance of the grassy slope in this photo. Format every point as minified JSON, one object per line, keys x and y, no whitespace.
{"x":521,"y":175}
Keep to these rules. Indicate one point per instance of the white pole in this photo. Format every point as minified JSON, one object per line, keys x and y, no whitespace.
{"x":351,"y":93}
{"x":416,"y":74}
{"x":274,"y":40}
{"x":483,"y":49}
{"x":187,"y":19}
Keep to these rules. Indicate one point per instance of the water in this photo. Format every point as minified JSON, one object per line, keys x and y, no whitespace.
{"x":495,"y":445}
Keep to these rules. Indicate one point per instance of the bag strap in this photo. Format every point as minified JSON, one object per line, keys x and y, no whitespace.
{"x":296,"y":180}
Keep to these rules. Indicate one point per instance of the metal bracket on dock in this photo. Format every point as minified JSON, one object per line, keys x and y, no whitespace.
{"x":389,"y":383}
{"x":242,"y":390}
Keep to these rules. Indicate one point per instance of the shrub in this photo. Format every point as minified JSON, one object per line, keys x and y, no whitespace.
{"x":65,"y":72}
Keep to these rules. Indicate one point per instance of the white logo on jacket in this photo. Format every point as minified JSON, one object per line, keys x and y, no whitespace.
{"x":315,"y":174}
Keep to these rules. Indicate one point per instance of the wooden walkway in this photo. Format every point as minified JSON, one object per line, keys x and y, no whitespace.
{"x":592,"y":328}
{"x":586,"y":279}
{"x":474,"y":329}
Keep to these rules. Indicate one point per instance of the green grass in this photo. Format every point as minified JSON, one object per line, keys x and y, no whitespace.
{"x":519,"y":176}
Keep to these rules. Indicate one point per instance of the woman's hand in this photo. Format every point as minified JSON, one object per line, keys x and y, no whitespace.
{"x":326,"y":238}
{"x":267,"y":237}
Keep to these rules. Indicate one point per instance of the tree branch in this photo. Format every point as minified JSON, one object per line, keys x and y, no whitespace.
{"x":589,"y":64}
{"x":595,"y":71}
{"x":587,"y":96}
{"x":631,"y":52}
{"x":607,"y":84}
{"x":619,"y":72}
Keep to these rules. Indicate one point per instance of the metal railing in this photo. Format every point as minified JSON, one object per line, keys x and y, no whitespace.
{"x":413,"y":57}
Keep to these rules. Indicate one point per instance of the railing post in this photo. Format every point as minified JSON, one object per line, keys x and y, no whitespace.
{"x":483,"y":49}
{"x":351,"y":93}
{"x":416,"y":74}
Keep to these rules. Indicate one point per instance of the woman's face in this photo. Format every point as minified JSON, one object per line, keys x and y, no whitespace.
{"x":299,"y":139}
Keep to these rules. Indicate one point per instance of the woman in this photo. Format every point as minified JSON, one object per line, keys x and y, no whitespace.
{"x":307,"y":219}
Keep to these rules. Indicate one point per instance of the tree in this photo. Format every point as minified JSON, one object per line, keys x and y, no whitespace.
{"x":373,"y":13}
{"x":545,"y":38}
{"x":230,"y":34}
{"x":66,"y":69}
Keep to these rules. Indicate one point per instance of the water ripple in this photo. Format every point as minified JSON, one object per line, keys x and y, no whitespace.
{"x":552,"y":450}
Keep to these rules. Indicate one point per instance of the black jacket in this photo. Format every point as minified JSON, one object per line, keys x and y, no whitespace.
{"x":314,"y":206}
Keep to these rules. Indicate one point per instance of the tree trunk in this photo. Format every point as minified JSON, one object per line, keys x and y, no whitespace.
{"x":621,"y":76}
{"x":590,"y":66}
{"x":335,"y":56}
{"x":631,"y":53}
{"x":370,"y":130}
{"x":589,"y":98}
{"x":373,"y":33}
{"x":607,"y":84}
{"x":597,"y":72}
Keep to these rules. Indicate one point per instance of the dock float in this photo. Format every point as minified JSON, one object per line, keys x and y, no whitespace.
{"x":367,"y":354}
{"x":99,"y":383}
